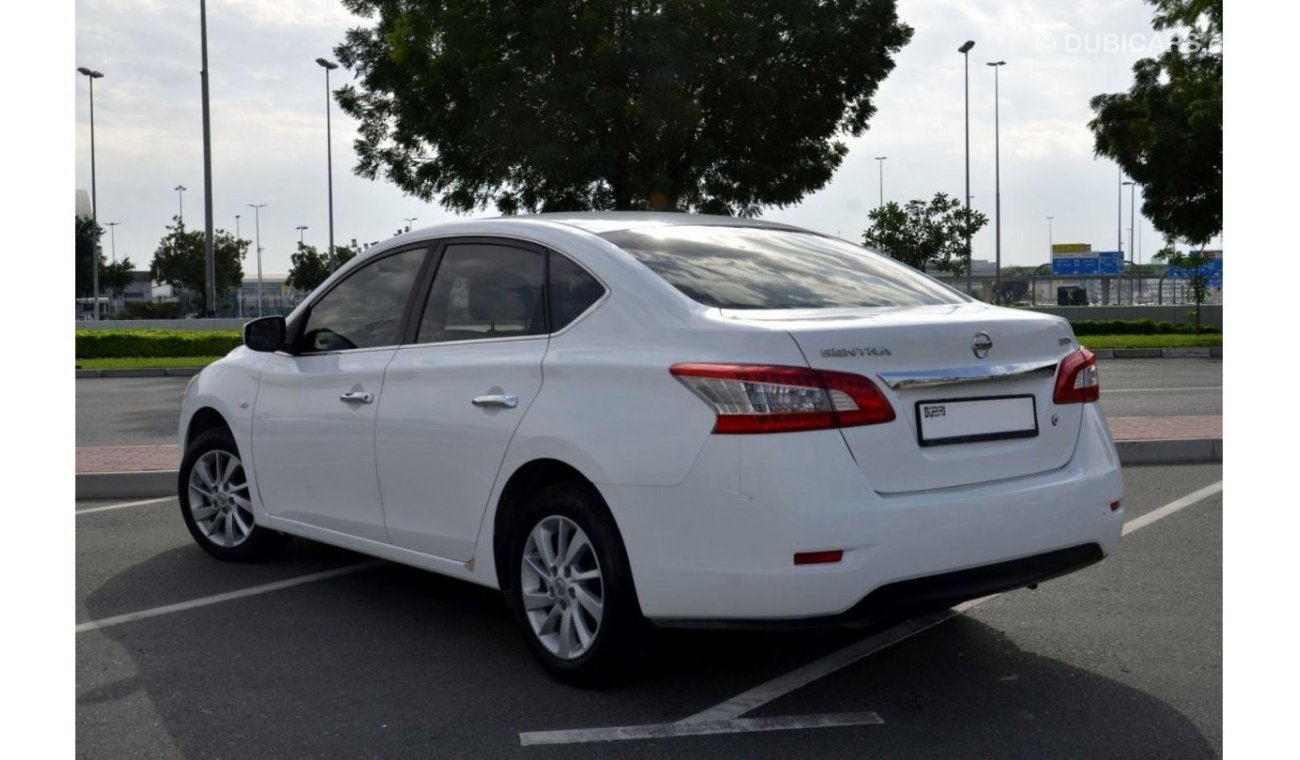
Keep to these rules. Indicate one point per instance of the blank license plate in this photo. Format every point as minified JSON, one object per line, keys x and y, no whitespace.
{"x":966,"y":420}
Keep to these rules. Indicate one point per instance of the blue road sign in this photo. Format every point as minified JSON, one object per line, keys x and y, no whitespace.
{"x":1111,"y":262}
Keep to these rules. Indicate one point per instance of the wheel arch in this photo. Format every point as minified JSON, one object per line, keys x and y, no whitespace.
{"x":528,"y":478}
{"x":204,"y":419}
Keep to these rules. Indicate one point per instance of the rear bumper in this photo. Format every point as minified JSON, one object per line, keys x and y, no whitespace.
{"x":903,"y":599}
{"x":719,"y":546}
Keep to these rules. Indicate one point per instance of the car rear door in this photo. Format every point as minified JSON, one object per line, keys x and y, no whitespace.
{"x":454,"y":396}
{"x":314,"y":417}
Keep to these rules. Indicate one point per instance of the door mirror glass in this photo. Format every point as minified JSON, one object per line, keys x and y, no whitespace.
{"x":265,"y":334}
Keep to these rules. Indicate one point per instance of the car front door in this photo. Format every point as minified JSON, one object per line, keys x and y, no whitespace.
{"x":454,"y":396}
{"x":314,"y":417}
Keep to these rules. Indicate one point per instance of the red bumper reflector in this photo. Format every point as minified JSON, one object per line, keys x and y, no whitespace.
{"x":1114,"y":506}
{"x":818,"y":558}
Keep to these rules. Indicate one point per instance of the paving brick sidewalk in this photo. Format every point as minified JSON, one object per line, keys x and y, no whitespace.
{"x":168,"y":457}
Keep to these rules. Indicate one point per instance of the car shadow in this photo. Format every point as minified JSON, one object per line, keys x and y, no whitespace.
{"x":396,"y":662}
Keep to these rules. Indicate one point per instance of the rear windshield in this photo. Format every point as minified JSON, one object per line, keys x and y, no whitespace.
{"x":752,"y":268}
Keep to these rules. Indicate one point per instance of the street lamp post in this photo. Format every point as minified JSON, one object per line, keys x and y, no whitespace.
{"x":880,"y":161}
{"x":997,"y":183}
{"x":112,"y":237}
{"x":1132,"y":222}
{"x":301,"y":229}
{"x":238,"y":238}
{"x":409,"y":221}
{"x":92,"y":75}
{"x":1049,"y":238}
{"x":257,"y":227}
{"x":965,"y":52}
{"x":209,"y":239}
{"x":180,"y":202}
{"x":329,"y":152}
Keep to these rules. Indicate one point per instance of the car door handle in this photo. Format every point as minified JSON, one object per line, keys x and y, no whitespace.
{"x":359,"y":397}
{"x":497,"y":399}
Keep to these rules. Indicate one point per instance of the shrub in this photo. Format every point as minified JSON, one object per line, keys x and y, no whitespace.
{"x":106,"y":344}
{"x":1133,"y":327}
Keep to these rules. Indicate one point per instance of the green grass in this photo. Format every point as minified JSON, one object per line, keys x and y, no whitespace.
{"x":136,"y":362}
{"x":1152,"y":341}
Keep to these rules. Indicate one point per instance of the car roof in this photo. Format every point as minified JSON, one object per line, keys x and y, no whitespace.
{"x":601,"y":222}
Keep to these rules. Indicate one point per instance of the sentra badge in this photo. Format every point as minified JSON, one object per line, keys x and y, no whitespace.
{"x":858,"y":351}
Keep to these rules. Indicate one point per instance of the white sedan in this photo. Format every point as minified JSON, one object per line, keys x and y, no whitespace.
{"x":629,"y":420}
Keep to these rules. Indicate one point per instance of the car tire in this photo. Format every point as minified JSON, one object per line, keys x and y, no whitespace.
{"x":577,"y":609}
{"x":216,"y":503}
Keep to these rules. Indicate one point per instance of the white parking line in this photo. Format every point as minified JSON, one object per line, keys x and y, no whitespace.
{"x":125,"y":505}
{"x":728,"y":713}
{"x":1172,"y":507}
{"x":698,"y":728}
{"x":229,"y":595}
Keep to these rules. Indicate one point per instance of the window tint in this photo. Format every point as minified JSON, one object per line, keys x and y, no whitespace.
{"x":572,"y":291}
{"x":364,"y":310}
{"x":484,"y":291}
{"x":750,"y":268}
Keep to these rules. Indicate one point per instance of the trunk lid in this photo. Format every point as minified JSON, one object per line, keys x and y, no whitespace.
{"x":927,"y":355}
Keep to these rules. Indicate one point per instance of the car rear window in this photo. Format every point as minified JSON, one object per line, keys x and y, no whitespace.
{"x":755,"y":268}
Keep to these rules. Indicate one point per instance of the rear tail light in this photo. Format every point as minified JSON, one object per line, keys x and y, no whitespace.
{"x":773,"y":399}
{"x":1076,"y":380}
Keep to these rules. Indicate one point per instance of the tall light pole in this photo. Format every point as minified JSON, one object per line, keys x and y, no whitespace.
{"x":1049,"y":238}
{"x":301,"y":229}
{"x":238,"y":237}
{"x":997,"y":183}
{"x":409,"y":221}
{"x":209,"y":251}
{"x":180,"y":202}
{"x":92,"y":75}
{"x":965,"y":52}
{"x":329,"y":151}
{"x":1132,"y":223}
{"x":257,"y":226}
{"x":880,"y":161}
{"x":112,"y":237}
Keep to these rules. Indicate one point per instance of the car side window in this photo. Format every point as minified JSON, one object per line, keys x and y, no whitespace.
{"x":485,"y":290}
{"x":572,"y":291}
{"x":364,"y":310}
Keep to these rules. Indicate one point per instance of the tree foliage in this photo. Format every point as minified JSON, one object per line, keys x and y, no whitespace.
{"x":114,"y":278}
{"x":703,"y":105}
{"x":87,"y":247}
{"x":181,"y":260}
{"x":1166,"y":132}
{"x":309,"y":267}
{"x":924,"y":235}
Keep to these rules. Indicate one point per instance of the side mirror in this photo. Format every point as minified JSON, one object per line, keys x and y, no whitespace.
{"x":265,"y":334}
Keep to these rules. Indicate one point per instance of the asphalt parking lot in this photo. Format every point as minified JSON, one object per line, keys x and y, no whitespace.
{"x":1123,"y":659}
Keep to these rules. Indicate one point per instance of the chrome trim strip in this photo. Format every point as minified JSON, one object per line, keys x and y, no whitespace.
{"x":962,"y":375}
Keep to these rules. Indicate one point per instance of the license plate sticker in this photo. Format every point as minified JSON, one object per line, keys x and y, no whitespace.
{"x":966,"y":420}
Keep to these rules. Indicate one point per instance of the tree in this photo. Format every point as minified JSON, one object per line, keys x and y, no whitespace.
{"x":924,"y":235}
{"x":309,"y":267}
{"x":87,"y":247}
{"x":1166,"y":132}
{"x":114,"y":278}
{"x":181,"y":260}
{"x":1194,"y":265}
{"x":706,"y":105}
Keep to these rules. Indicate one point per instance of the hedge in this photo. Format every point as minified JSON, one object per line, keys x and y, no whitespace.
{"x":104,"y":344}
{"x":1134,"y":327}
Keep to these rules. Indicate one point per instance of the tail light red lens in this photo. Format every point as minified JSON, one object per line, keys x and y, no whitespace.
{"x":777,"y":399}
{"x":1076,"y":379}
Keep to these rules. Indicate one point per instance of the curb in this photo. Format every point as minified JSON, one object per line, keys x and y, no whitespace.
{"x":152,"y":372}
{"x":126,"y":485}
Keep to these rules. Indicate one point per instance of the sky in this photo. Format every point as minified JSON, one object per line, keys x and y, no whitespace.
{"x":269,"y":139}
